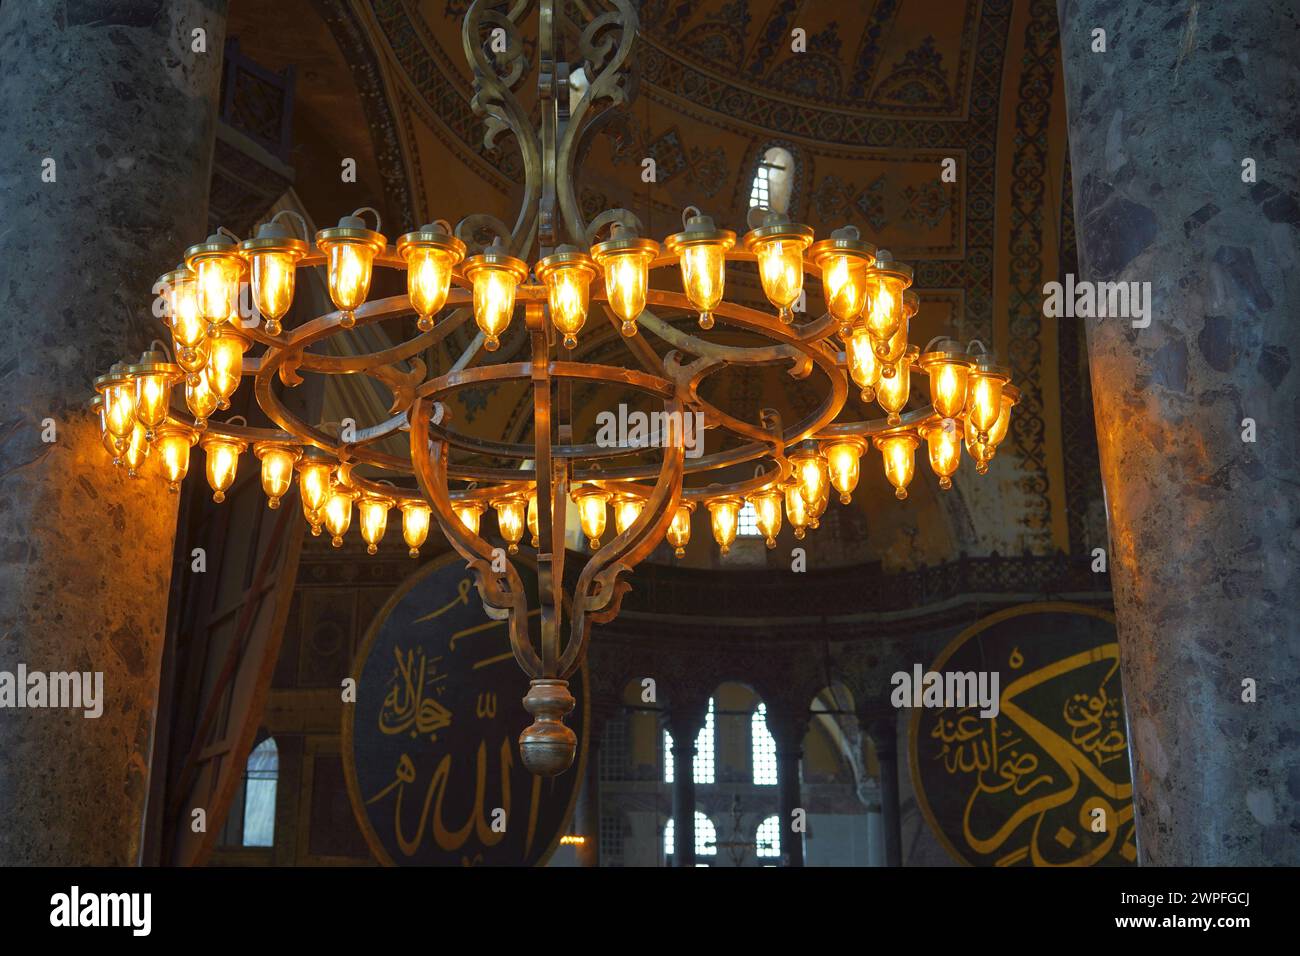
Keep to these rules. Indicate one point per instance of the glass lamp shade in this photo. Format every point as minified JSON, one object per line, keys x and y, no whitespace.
{"x":893,"y":391}
{"x":116,"y":391}
{"x":943,"y":441}
{"x":494,"y":276}
{"x":567,"y":275}
{"x":625,"y":260}
{"x":724,"y":519}
{"x":592,"y":513}
{"x":272,"y":266}
{"x":899,"y":452}
{"x":415,"y":525}
{"x":843,"y":459}
{"x":153,"y":377}
{"x":702,"y":250}
{"x":984,"y":396}
{"x":372,"y":514}
{"x":350,"y":249}
{"x":511,"y":519}
{"x":277,"y":469}
{"x":844,"y":260}
{"x":431,"y":253}
{"x":222,"y":456}
{"x":533,"y":526}
{"x":864,"y":367}
{"x":767,"y":514}
{"x":200,"y":399}
{"x":797,"y":511}
{"x":315,"y":481}
{"x":812,"y":473}
{"x":218,"y":270}
{"x":136,"y":451}
{"x":886,"y":282}
{"x":778,"y":246}
{"x":983,"y":452}
{"x":187,"y":326}
{"x":173,"y":444}
{"x":337,"y":514}
{"x":679,"y":532}
{"x":948,"y":368}
{"x":226,"y":362}
{"x":470,"y":514}
{"x":627,"y":508}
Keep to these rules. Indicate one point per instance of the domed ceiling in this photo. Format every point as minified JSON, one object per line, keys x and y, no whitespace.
{"x":882,"y":93}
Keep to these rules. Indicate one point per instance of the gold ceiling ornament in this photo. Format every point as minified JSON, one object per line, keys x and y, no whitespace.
{"x":481,"y":270}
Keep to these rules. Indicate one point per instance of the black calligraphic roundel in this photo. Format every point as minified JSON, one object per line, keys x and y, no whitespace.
{"x":1045,"y":781}
{"x":430,"y":747}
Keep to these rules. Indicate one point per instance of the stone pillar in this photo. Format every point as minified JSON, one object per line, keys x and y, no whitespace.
{"x":685,"y":720}
{"x":788,"y":725}
{"x":107,"y":119}
{"x":1203,"y":504}
{"x":883,"y":731}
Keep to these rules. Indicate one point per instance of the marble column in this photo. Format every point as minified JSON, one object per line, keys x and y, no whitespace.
{"x":107,"y":118}
{"x":788,"y":725}
{"x":1186,"y":169}
{"x":883,"y":731}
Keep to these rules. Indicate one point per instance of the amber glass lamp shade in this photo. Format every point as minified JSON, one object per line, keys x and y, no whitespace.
{"x":315,"y":482}
{"x":277,"y":469}
{"x":272,"y":266}
{"x":679,"y":531}
{"x":886,"y":282}
{"x":136,"y":451}
{"x":592,"y":515}
{"x":724,"y":519}
{"x":948,"y":368}
{"x":844,"y":260}
{"x":350,"y":249}
{"x":222,"y":456}
{"x":843,"y":460}
{"x":200,"y":399}
{"x":567,"y":275}
{"x":226,"y":362}
{"x":415,"y":525}
{"x":431,"y":253}
{"x":118,"y":395}
{"x":778,"y":245}
{"x":154,"y":377}
{"x":372,"y":514}
{"x":495,"y":276}
{"x":627,"y":508}
{"x":338,"y":515}
{"x":864,"y":367}
{"x":625,"y":260}
{"x":943,"y":441}
{"x":812,"y":473}
{"x":983,"y":452}
{"x":511,"y":520}
{"x":701,"y":249}
{"x":899,"y":452}
{"x":470,"y":514}
{"x":173,"y":444}
{"x":984,"y":396}
{"x":218,"y":270}
{"x":894,"y":391}
{"x":797,"y":511}
{"x":767,"y":514}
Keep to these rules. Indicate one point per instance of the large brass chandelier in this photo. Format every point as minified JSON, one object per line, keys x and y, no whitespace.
{"x":155,"y":410}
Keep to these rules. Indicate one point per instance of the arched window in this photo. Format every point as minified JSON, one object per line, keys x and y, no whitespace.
{"x":768,"y":838}
{"x":706,"y":836}
{"x":703,"y":764}
{"x":747,"y":521}
{"x":260,"y":779}
{"x":773,"y":180}
{"x":762,"y":747}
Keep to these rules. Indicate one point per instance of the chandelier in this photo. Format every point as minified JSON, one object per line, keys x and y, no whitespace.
{"x":552,"y":267}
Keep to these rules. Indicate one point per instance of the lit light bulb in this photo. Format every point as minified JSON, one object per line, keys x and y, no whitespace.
{"x":189,"y":330}
{"x":943,"y":441}
{"x":200,"y":400}
{"x":226,"y":363}
{"x":173,"y":443}
{"x":864,"y":367}
{"x":106,"y":437}
{"x":679,"y":532}
{"x":338,"y":515}
{"x":627,"y":508}
{"x":136,"y":451}
{"x":431,"y":253}
{"x":767,"y":514}
{"x":983,"y":452}
{"x":797,"y":511}
{"x":470,"y":514}
{"x":118,"y":413}
{"x":592,"y":512}
{"x":724,"y":518}
{"x":844,"y":260}
{"x":373,"y":513}
{"x":886,"y":282}
{"x":154,"y":377}
{"x":702,"y":250}
{"x":778,"y":245}
{"x":626,"y":259}
{"x":277,"y":469}
{"x":218,"y":270}
{"x":843,"y":459}
{"x":899,"y":452}
{"x":314,"y":486}
{"x":222,"y":463}
{"x":567,"y":275}
{"x":510,"y":520}
{"x":415,"y":525}
{"x":812,"y":473}
{"x":532,"y":520}
{"x":984,"y":396}
{"x":495,"y":275}
{"x":893,"y":391}
{"x":350,"y":249}
{"x":948,"y":368}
